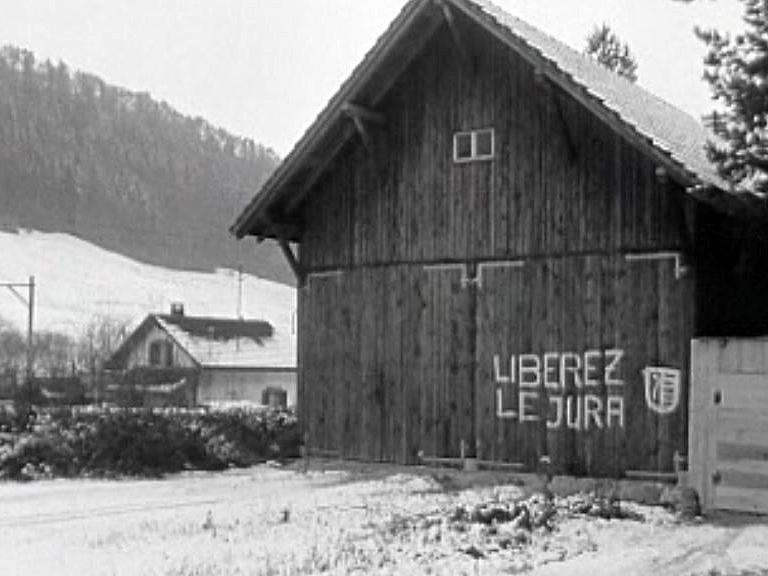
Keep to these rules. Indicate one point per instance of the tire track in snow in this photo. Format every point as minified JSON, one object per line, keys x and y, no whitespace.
{"x":103,"y":512}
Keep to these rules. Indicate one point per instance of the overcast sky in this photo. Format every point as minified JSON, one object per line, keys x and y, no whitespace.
{"x":265,"y":68}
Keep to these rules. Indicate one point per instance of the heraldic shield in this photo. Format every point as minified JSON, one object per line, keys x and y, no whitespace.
{"x":662,"y":389}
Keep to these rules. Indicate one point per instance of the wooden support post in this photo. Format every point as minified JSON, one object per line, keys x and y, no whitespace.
{"x":278,"y":231}
{"x":293,"y":262}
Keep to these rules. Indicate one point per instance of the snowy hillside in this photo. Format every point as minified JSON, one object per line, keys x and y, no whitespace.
{"x":77,"y":281}
{"x":124,"y":171}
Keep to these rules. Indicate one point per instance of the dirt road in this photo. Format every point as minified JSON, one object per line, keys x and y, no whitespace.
{"x":274,"y":521}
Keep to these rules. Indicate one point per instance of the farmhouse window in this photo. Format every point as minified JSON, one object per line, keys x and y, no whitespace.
{"x":473,"y":145}
{"x":160,"y":354}
{"x":274,"y":397}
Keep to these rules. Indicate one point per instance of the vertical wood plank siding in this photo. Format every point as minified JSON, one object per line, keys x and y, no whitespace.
{"x":397,"y":359}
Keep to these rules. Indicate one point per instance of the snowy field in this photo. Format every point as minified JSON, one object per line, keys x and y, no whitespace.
{"x":77,"y":281}
{"x":355,"y":520}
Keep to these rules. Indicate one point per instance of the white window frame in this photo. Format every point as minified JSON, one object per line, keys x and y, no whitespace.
{"x":474,"y":156}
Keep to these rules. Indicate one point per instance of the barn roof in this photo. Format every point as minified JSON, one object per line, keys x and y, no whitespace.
{"x":219,"y":342}
{"x":672,"y":137}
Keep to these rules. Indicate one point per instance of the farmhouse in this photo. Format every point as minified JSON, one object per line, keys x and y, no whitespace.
{"x":223,"y":360}
{"x":505,"y":253}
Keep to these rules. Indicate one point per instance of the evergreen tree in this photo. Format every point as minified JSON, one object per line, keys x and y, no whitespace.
{"x":737,"y":70}
{"x":607,"y":48}
{"x":123,"y":170}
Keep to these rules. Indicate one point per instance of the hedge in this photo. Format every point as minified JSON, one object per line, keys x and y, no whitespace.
{"x":71,"y":442}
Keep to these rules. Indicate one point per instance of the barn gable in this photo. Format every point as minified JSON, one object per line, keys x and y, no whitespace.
{"x":669,"y":136}
{"x":539,"y":301}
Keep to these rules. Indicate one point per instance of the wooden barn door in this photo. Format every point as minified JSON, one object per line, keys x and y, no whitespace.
{"x":326,"y":376}
{"x":503,"y":325}
{"x":561,"y":358}
{"x":446,"y":372}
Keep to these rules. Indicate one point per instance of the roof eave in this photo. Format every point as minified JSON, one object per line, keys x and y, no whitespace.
{"x":744,"y":205}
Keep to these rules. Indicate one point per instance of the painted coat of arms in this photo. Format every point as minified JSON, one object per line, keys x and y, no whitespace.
{"x":662,"y":389}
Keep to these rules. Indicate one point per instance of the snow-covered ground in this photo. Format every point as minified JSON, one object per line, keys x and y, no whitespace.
{"x":365,"y":520}
{"x":77,"y":281}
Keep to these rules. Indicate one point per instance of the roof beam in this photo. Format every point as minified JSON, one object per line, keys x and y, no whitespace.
{"x":364,"y":114}
{"x":364,"y":135}
{"x":399,"y":62}
{"x":568,"y":132}
{"x":360,"y":116}
{"x":404,"y":60}
{"x":450,"y":20}
{"x":351,"y":88}
{"x":319,"y":169}
{"x":375,"y":117}
{"x":288,"y":231}
{"x":544,"y":83}
{"x":284,"y":230}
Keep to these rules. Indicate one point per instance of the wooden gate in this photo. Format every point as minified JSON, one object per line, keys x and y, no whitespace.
{"x":729,"y":424}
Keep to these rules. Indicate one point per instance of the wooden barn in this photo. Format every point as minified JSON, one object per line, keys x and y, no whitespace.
{"x":504,"y":253}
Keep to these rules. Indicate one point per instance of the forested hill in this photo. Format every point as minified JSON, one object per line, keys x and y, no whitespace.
{"x":124,"y":171}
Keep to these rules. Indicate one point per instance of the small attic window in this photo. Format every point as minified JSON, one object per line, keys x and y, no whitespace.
{"x":160,"y":354}
{"x":474,"y":145}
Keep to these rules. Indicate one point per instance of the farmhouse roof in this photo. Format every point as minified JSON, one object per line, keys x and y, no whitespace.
{"x":218,"y":343}
{"x":672,"y":137}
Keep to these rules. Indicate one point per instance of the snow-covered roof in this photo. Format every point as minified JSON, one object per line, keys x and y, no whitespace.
{"x":673,"y":137}
{"x":230,"y":343}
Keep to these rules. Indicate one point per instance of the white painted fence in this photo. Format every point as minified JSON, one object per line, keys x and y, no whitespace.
{"x":728,"y":429}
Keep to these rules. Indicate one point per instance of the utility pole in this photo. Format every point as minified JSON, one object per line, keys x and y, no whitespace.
{"x":240,"y":292}
{"x":29,"y":302}
{"x":30,"y":323}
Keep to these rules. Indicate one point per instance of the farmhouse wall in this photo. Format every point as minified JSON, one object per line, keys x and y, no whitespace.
{"x":243,"y":385}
